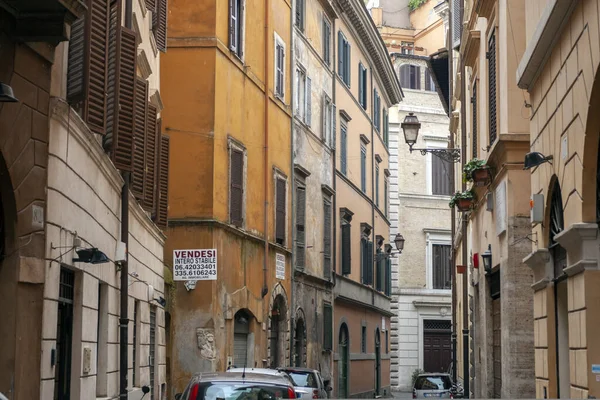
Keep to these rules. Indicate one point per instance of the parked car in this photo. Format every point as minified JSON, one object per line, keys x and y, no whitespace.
{"x":237,"y":386}
{"x":308,"y":382}
{"x":266,"y":371}
{"x":433,"y":385}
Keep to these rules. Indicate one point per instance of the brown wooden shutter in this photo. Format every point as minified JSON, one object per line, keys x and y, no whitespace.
{"x":328,"y":327}
{"x":139,"y":150}
{"x":162,"y":202}
{"x":327,"y":239}
{"x":151,"y":5}
{"x":159,"y":23}
{"x":491,"y":56}
{"x":300,"y":227}
{"x":280,"y":212}
{"x":124,"y":122}
{"x":236,"y":193}
{"x":346,"y":250}
{"x":76,"y":61}
{"x":153,"y":129}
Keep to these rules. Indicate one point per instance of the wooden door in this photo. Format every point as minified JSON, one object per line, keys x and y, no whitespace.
{"x":437,"y":345}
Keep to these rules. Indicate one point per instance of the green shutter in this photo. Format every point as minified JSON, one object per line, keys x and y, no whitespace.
{"x":328,"y":327}
{"x":346,"y":255}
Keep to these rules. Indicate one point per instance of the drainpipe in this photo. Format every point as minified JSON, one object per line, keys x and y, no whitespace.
{"x":293,"y":191}
{"x":453,"y":186}
{"x":124,"y":318}
{"x":265,"y":288}
{"x":332,"y":55}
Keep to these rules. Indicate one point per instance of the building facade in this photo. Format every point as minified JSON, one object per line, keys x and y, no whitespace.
{"x":67,"y":147}
{"x":227,"y":88}
{"x":313,"y":154}
{"x":365,"y":88}
{"x":494,"y":309}
{"x":558,"y":68}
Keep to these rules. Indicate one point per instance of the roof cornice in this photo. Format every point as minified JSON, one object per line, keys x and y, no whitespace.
{"x":356,"y":15}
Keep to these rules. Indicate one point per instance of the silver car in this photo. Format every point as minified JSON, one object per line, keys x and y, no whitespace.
{"x":237,"y":386}
{"x":266,"y":371}
{"x":433,"y":386}
{"x":308,"y":383}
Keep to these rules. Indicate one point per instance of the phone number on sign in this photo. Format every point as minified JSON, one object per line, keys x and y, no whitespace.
{"x":196,"y":274}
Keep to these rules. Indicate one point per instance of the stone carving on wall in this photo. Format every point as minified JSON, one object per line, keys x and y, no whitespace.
{"x":206,"y":343}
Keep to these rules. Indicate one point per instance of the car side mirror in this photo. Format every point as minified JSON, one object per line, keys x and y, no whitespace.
{"x":178,"y":396}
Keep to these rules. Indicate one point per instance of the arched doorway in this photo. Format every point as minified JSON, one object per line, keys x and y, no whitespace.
{"x":377,"y":362}
{"x":561,"y":311}
{"x":300,"y":341}
{"x":343,"y":363}
{"x":278,"y":331}
{"x":241,"y":333}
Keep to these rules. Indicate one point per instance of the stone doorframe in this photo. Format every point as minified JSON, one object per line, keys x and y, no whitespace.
{"x":279,"y":290}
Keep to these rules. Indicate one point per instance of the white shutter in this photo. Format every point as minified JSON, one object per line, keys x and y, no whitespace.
{"x":232,"y":25}
{"x":308,"y":99}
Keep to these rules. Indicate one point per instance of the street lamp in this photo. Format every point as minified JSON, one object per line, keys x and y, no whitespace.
{"x":487,"y":259}
{"x":411,"y":126}
{"x":399,"y":242}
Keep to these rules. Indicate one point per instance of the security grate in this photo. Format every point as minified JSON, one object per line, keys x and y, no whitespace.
{"x":67,"y":282}
{"x":491,"y":55}
{"x":437,"y":325}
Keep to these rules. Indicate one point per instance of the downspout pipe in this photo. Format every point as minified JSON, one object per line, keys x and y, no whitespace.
{"x":124,"y":290}
{"x":453,"y":186}
{"x":372,"y":261}
{"x":265,"y":288}
{"x":334,"y":211}
{"x":293,"y":190}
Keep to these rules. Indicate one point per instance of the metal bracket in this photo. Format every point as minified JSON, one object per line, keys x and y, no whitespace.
{"x":448,"y":155}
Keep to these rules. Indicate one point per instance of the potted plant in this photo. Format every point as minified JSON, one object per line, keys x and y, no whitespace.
{"x":463,"y":201}
{"x":476,"y":171}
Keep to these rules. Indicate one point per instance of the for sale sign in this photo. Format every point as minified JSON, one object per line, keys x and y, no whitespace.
{"x":195,"y":265}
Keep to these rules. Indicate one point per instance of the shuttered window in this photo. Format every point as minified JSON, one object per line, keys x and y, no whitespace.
{"x":377,"y":110}
{"x":162,"y":201}
{"x":300,"y":15}
{"x":328,"y":327}
{"x":139,"y":151}
{"x":326,"y":40}
{"x":442,"y":278}
{"x":385,"y":196}
{"x":474,"y":111}
{"x":159,"y":24}
{"x":151,"y":164}
{"x":386,"y":128}
{"x":380,"y":272}
{"x":377,"y":185}
{"x":151,"y":5}
{"x":491,"y":55}
{"x":440,"y":176}
{"x":279,"y":68}
{"x":344,"y":150}
{"x":363,"y":169}
{"x":367,"y":262}
{"x":388,"y":277}
{"x":410,"y":77}
{"x":236,"y":28}
{"x":327,"y":239}
{"x":88,"y":57}
{"x":236,"y":189}
{"x":344,"y":57}
{"x":457,"y":18}
{"x":308,"y":102}
{"x":300,"y":227}
{"x":346,"y":249}
{"x":362,"y":86}
{"x":280,"y":203}
{"x":363,"y":340}
{"x":429,"y":83}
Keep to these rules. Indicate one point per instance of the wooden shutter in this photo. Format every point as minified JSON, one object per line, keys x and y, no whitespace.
{"x":153,"y":129}
{"x":160,"y":25}
{"x":326,"y":40}
{"x":124,"y":98}
{"x":388,"y":277}
{"x":377,"y":185}
{"x":333,"y":125}
{"x":328,"y":327}
{"x":88,"y":58}
{"x":233,"y":25}
{"x":474,"y":111}
{"x":440,"y":176}
{"x":346,"y":255}
{"x":300,"y":227}
{"x":344,"y":150}
{"x":139,"y":150}
{"x":491,"y":55}
{"x":151,"y":5}
{"x":360,"y":85}
{"x":236,"y":190}
{"x":280,"y":203}
{"x":348,"y":63}
{"x":299,"y":14}
{"x":308,"y":97}
{"x":327,"y":239}
{"x":363,"y":169}
{"x":340,"y":45}
{"x":379,"y":271}
{"x":385,"y":127}
{"x":163,"y":182}
{"x":324,"y":118}
{"x":370,"y":263}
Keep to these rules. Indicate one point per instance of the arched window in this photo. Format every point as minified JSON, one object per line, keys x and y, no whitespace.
{"x":429,"y":83}
{"x":410,"y":76}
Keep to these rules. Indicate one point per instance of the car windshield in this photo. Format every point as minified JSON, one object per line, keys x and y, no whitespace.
{"x":243,"y":391}
{"x":439,"y":382}
{"x":304,"y":379}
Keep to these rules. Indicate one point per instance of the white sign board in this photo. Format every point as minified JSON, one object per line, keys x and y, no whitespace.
{"x":383,"y":323}
{"x":279,"y":266}
{"x":500,"y":208}
{"x":195,"y":265}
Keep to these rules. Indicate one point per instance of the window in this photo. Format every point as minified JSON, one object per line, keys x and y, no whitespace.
{"x":280,"y":210}
{"x":346,"y":247}
{"x":362,"y":86}
{"x":386,"y":128}
{"x":159,"y":24}
{"x":328,"y":120}
{"x":102,"y":345}
{"x":363,"y":340}
{"x":377,"y":185}
{"x":328,"y":327}
{"x":385,"y":195}
{"x":344,"y":150}
{"x":300,"y":15}
{"x":387,"y":342}
{"x":410,"y":77}
{"x":300,"y":227}
{"x":344,"y":57}
{"x":279,"y":67}
{"x":303,"y":96}
{"x":474,"y":112}
{"x":442,"y":278}
{"x":376,"y":110}
{"x":363,"y":168}
{"x":236,"y":184}
{"x":327,"y":238}
{"x":440,"y":176}
{"x":379,"y":273}
{"x":492,"y":87}
{"x":408,"y":47}
{"x":367,"y":261}
{"x":326,"y":41}
{"x":429,"y":83}
{"x":388,"y":277}
{"x":236,"y":26}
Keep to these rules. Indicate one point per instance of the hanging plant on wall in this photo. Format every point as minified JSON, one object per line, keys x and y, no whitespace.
{"x":477,"y":172}
{"x":414,"y":4}
{"x":463,"y":201}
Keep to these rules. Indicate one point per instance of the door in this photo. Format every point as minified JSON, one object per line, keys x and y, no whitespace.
{"x":241,"y":329}
{"x":437,"y":345}
{"x":64,"y":335}
{"x":377,"y":363}
{"x":497,"y":342}
{"x":343,"y":363}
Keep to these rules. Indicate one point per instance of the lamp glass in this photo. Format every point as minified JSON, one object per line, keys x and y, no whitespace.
{"x":411,"y":126}
{"x":399,"y":242}
{"x":487,"y":259}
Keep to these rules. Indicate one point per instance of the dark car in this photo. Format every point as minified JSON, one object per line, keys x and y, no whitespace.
{"x":237,"y":386}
